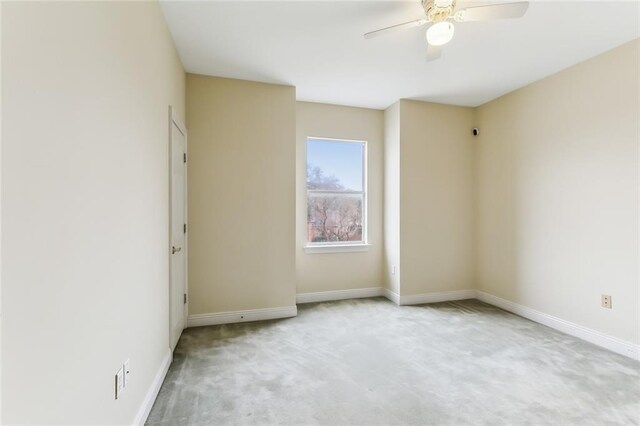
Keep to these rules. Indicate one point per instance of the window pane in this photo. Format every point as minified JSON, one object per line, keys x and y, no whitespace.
{"x":334,"y":218}
{"x":334,"y":165}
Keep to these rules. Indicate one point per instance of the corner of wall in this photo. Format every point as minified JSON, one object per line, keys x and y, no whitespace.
{"x":391,"y":264}
{"x":477,"y":123}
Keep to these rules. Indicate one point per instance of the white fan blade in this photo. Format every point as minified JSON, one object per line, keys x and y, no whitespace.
{"x":392,"y":28}
{"x":492,"y":11}
{"x":433,"y":52}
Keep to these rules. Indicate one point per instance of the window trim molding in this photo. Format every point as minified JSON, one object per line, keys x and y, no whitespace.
{"x":351,"y":246}
{"x":336,"y":248}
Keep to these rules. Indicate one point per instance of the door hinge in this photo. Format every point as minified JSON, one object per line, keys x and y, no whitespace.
{"x":185,"y":298}
{"x":185,"y":228}
{"x":185,"y":157}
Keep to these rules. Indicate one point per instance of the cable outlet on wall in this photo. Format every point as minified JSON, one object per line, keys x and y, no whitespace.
{"x":127,"y":373}
{"x":606,"y":301}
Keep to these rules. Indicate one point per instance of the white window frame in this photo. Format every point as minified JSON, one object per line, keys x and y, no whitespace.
{"x":347,"y":246}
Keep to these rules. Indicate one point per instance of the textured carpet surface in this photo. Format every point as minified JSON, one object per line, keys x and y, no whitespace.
{"x":370,"y":362}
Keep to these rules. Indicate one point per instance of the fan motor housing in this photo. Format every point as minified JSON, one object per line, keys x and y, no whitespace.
{"x":438,"y":10}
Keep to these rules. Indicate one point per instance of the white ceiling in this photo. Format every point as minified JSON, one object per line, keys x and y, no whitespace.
{"x":319,"y":47}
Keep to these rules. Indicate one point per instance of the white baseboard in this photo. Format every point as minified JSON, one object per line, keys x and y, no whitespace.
{"x":441,"y":296}
{"x":154,"y":388}
{"x":359,"y":293}
{"x":324,"y":296}
{"x":241,"y":316}
{"x":611,"y":343}
{"x":393,"y":296}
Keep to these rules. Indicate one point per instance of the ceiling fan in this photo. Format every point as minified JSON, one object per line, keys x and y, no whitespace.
{"x":439,"y":13}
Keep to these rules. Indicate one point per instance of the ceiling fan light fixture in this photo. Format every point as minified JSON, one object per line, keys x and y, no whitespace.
{"x":440,"y":33}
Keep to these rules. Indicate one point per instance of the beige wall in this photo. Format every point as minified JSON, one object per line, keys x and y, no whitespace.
{"x":85,"y":207}
{"x":392,"y":198}
{"x":427,"y":178}
{"x":340,"y":271}
{"x":557,"y":188}
{"x":0,"y":214}
{"x":241,"y":194}
{"x":436,"y":197}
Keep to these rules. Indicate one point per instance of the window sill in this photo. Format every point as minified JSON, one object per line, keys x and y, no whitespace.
{"x":338,"y":248}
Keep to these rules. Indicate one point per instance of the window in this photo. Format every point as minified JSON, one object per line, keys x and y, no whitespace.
{"x":336,"y":192}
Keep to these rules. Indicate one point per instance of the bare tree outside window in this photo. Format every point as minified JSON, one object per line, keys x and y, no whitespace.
{"x":335,"y":201}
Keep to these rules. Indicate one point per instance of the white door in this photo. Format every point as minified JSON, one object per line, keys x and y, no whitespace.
{"x":177,"y":249}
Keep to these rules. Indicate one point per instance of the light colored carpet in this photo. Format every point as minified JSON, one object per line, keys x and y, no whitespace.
{"x":370,"y":362}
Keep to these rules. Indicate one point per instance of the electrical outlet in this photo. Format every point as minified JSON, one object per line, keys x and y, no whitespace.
{"x":606,"y":301}
{"x":119,"y":382}
{"x":393,"y":270}
{"x":127,"y":373}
